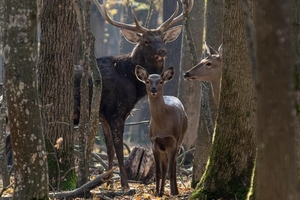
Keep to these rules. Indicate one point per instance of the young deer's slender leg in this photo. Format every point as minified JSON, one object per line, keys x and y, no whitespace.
{"x":172,"y":156}
{"x":164,"y":169}
{"x":158,"y":174}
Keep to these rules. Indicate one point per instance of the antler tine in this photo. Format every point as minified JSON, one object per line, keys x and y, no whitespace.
{"x":167,"y":23}
{"x":137,"y":27}
{"x":180,"y":17}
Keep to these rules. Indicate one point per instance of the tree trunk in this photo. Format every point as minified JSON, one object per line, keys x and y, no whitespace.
{"x":276,"y":131}
{"x":228,"y":172}
{"x":89,"y":121}
{"x":208,"y":110}
{"x":20,"y":57}
{"x":189,"y":91}
{"x":296,"y":26}
{"x":174,"y":50}
{"x":3,"y":152}
{"x":56,"y":80}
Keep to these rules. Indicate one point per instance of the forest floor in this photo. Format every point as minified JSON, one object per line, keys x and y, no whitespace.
{"x":140,"y":191}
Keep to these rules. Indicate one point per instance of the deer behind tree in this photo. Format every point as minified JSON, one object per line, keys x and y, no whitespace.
{"x":208,"y":69}
{"x":120,"y":88}
{"x":168,"y":125}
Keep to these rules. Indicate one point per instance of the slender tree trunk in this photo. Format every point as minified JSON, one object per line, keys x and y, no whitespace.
{"x":189,"y":91}
{"x":174,"y":50}
{"x":56,"y":80}
{"x":20,"y":57}
{"x":228,"y":172}
{"x":276,"y":131}
{"x":296,"y":27}
{"x":208,"y":110}
{"x":88,"y":126}
{"x":3,"y":155}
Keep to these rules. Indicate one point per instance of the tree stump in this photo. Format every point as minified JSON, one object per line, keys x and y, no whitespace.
{"x":139,"y":165}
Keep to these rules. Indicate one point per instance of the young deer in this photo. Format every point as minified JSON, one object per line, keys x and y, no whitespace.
{"x":208,"y":69}
{"x":168,"y":124}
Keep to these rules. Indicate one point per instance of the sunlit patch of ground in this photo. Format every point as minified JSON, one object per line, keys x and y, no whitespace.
{"x":143,"y":191}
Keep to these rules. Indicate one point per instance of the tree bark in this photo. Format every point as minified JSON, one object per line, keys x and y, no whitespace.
{"x":3,"y":109}
{"x":296,"y":27}
{"x":20,"y":57}
{"x":174,"y":50}
{"x":189,"y":91}
{"x":276,"y":131}
{"x":208,"y":110}
{"x":229,"y":169}
{"x":56,"y":80}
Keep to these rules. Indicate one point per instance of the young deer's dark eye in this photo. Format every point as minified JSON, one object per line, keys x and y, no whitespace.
{"x":147,"y":42}
{"x":161,"y":82}
{"x":147,"y":81}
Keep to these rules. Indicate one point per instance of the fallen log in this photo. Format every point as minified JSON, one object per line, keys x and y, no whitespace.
{"x":84,"y":190}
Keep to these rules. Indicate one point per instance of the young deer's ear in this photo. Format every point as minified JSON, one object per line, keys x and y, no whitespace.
{"x":131,"y":36}
{"x":141,"y":74}
{"x":168,"y":74}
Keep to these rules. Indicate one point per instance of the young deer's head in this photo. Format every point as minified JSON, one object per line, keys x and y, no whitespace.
{"x":154,"y":82}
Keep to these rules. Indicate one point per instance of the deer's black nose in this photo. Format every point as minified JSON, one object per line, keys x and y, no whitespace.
{"x":153,"y":90}
{"x":162,"y":52}
{"x":186,"y":75}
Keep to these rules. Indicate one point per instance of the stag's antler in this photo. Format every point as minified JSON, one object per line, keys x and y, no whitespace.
{"x":173,"y":20}
{"x":137,"y":27}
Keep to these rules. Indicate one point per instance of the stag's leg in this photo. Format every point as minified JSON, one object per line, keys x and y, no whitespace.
{"x":172,"y":155}
{"x":117,"y":128}
{"x":108,"y":142}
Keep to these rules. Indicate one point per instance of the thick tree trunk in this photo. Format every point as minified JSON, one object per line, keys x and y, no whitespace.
{"x":276,"y":131}
{"x":20,"y":56}
{"x":228,"y":172}
{"x":56,"y":80}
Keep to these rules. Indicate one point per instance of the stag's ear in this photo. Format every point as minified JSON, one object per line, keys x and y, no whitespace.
{"x":141,"y":74}
{"x":131,"y":36}
{"x":171,"y":34}
{"x":168,"y":74}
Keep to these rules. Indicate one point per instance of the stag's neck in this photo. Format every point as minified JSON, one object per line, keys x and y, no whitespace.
{"x":216,"y":90}
{"x":158,"y":108}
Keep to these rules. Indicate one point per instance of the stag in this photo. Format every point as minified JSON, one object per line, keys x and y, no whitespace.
{"x":120,"y":88}
{"x":168,"y":125}
{"x":208,"y":69}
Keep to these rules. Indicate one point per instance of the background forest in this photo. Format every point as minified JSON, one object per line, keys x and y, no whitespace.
{"x":237,"y":72}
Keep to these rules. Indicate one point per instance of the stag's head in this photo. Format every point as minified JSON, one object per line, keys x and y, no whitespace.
{"x":149,"y":42}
